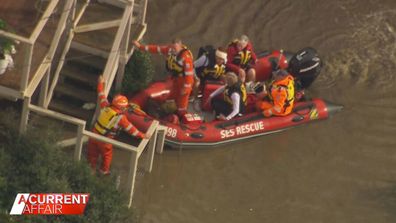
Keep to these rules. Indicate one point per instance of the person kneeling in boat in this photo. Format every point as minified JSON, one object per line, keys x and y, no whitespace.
{"x":110,"y":120}
{"x":234,"y":100}
{"x":179,"y":63}
{"x":241,"y":59}
{"x":279,"y":99}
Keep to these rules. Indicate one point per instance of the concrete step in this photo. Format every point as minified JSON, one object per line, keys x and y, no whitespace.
{"x":121,"y":4}
{"x":98,"y":41}
{"x":86,"y":61}
{"x":65,"y":107}
{"x":75,"y":73}
{"x":76,"y":92}
{"x":100,"y":12}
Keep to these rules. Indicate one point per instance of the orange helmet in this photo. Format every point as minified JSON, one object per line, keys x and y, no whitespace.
{"x":120,"y":101}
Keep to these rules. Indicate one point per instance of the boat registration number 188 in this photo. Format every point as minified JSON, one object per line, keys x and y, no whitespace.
{"x":242,"y":129}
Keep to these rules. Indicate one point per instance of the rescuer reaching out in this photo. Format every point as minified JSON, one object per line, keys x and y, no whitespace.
{"x":109,"y":122}
{"x":179,"y":63}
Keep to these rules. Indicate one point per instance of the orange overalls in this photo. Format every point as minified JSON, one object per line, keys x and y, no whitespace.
{"x":281,"y":94}
{"x":182,"y":70}
{"x":118,"y":121}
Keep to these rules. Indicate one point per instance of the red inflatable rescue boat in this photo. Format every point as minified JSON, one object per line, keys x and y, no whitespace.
{"x":199,"y":129}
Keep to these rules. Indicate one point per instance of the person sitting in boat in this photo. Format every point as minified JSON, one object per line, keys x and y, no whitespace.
{"x":241,"y":59}
{"x":180,"y":64}
{"x":279,"y":99}
{"x":210,"y":66}
{"x":234,"y":100}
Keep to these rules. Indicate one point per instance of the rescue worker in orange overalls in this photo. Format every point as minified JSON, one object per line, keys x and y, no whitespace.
{"x":109,"y":122}
{"x":241,"y":59}
{"x":180,"y":64}
{"x":280,"y":95}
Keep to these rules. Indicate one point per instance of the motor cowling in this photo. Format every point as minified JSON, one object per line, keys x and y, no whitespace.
{"x":305,"y":66}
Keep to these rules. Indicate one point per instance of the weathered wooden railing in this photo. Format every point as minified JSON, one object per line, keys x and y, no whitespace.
{"x":154,"y":143}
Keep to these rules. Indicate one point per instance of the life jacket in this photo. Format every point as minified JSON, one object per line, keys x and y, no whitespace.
{"x":174,"y":63}
{"x":241,"y":90}
{"x":212,"y":70}
{"x":215,"y":72}
{"x":107,"y":122}
{"x":243,"y":57}
{"x":287,"y":84}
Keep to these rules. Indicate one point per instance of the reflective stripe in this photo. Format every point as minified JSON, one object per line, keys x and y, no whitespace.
{"x":128,"y":127}
{"x":146,"y":48}
{"x":159,"y":50}
{"x":103,"y":100}
{"x":117,"y":122}
{"x":153,"y":95}
{"x":102,"y":94}
{"x":189,"y":73}
{"x":135,"y":133}
{"x":187,"y":85}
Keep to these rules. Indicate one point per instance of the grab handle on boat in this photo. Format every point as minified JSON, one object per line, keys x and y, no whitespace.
{"x":299,"y":116}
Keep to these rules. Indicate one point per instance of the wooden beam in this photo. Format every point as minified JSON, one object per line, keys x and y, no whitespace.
{"x":56,"y":115}
{"x":58,"y":69}
{"x":97,"y":26}
{"x":60,"y":28}
{"x":123,"y":56}
{"x":44,"y":88}
{"x":10,"y":93}
{"x":117,"y":3}
{"x":139,"y":37}
{"x":79,"y":142}
{"x":41,"y":71}
{"x":25,"y":115}
{"x":151,"y":131}
{"x":80,"y":13}
{"x":64,"y":52}
{"x":143,"y":12}
{"x":89,"y":49}
{"x":115,"y":143}
{"x":151,"y":151}
{"x":133,"y":161}
{"x":114,"y":53}
{"x":14,"y":37}
{"x":28,"y":48}
{"x":161,"y":131}
{"x":71,"y":141}
{"x":43,"y":20}
{"x":67,"y":142}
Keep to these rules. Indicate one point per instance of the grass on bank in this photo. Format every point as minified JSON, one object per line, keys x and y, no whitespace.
{"x":32,"y":163}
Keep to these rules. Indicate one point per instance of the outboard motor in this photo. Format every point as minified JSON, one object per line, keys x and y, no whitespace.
{"x":305,"y":66}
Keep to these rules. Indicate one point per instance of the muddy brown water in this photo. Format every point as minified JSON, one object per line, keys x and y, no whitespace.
{"x":339,"y":170}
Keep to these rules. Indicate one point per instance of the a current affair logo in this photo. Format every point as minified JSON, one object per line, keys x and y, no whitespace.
{"x":49,"y":204}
